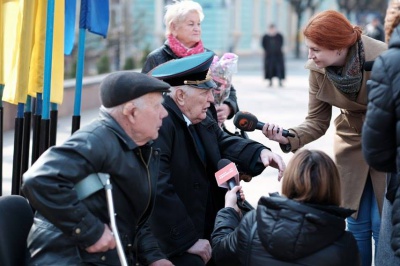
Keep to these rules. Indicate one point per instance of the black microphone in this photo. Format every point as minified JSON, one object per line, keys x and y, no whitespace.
{"x":248,"y":122}
{"x":228,"y":173}
{"x":368,"y":65}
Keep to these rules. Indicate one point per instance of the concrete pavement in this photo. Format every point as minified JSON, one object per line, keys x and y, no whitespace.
{"x":286,"y":106}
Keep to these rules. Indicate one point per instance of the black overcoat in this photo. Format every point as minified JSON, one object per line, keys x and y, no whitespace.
{"x":188,"y":197}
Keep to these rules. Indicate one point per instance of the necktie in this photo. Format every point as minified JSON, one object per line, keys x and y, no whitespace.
{"x":198,"y":143}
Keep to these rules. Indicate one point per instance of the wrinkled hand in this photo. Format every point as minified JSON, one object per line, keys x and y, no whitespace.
{"x":274,"y":160}
{"x":231,"y":199}
{"x":162,"y":262}
{"x":274,"y":132}
{"x":201,"y":248}
{"x":106,"y":242}
{"x":223,"y":112}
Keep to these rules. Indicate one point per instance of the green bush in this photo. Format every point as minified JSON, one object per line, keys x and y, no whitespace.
{"x":103,"y":65}
{"x":129,"y":63}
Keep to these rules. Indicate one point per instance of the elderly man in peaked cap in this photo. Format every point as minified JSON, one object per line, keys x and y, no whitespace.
{"x":192,"y":144}
{"x":72,"y":226}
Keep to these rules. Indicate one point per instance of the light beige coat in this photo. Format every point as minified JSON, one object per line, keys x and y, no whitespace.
{"x":323,"y":95}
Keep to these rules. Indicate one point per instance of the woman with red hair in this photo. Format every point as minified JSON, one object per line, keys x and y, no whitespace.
{"x":337,"y":53}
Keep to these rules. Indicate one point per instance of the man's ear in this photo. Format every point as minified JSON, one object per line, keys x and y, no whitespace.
{"x":180,"y":96}
{"x":129,"y":111}
{"x":127,"y":108}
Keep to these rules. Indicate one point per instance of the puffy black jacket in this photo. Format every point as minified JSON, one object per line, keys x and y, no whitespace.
{"x":284,"y":232}
{"x":381,"y":129}
{"x":164,"y":54}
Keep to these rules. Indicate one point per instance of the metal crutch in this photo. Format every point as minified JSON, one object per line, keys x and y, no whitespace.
{"x":93,"y":183}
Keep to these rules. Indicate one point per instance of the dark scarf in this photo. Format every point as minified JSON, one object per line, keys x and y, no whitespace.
{"x":348,"y":78}
{"x":180,"y":50}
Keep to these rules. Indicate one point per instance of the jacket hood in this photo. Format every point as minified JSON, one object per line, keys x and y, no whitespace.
{"x":290,"y":230}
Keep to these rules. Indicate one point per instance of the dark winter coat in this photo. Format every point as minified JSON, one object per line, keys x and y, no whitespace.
{"x":284,"y":232}
{"x":274,"y":61}
{"x":64,"y":225}
{"x":381,"y":130}
{"x":188,"y":196}
{"x":164,"y":54}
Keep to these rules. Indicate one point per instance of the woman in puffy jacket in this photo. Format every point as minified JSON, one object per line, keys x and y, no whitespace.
{"x":381,"y":135}
{"x":305,"y":226}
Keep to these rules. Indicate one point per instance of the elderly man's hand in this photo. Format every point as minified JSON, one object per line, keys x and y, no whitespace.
{"x":274,"y":160}
{"x":106,"y":242}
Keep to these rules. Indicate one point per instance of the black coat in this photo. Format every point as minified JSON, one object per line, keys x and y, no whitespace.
{"x":381,"y":129}
{"x":188,"y":197}
{"x":274,"y":62}
{"x":284,"y":232}
{"x":64,"y":226}
{"x":164,"y":54}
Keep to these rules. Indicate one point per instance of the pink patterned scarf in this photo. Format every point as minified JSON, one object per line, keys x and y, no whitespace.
{"x":180,"y":50}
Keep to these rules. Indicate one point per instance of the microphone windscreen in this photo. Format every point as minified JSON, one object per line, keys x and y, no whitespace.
{"x":245,"y":121}
{"x":222,"y":163}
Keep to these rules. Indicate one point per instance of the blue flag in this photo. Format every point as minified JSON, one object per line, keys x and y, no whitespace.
{"x":94,"y":16}
{"x":69,"y":30}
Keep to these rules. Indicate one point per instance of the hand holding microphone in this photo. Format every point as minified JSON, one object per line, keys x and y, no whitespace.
{"x":248,"y":122}
{"x":228,"y":176}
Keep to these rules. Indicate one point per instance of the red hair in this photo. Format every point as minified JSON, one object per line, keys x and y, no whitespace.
{"x":332,"y":30}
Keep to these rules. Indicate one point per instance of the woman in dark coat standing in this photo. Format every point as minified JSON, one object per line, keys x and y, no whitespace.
{"x":274,"y":62}
{"x":306,"y":226}
{"x":381,"y":135}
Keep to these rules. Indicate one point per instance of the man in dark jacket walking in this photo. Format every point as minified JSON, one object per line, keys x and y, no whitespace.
{"x":192,"y":144}
{"x":72,"y":225}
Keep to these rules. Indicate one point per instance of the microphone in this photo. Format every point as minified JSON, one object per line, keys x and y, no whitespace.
{"x":248,"y":122}
{"x":228,"y":176}
{"x":368,"y":65}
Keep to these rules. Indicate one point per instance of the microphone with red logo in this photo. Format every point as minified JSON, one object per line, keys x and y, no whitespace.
{"x":248,"y":122}
{"x":228,"y":176}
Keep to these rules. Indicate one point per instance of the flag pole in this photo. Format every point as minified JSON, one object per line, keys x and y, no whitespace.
{"x":37,"y":117}
{"x":26,"y":135}
{"x":45,"y":123}
{"x":16,"y":173}
{"x":76,"y":119}
{"x":53,"y":124}
{"x":1,"y":137}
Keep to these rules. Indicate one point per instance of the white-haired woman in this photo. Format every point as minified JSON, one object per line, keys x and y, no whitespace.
{"x":183,"y":38}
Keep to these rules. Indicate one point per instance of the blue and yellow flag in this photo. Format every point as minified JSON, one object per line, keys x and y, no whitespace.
{"x":18,"y":16}
{"x":36,"y":75}
{"x":23,"y":33}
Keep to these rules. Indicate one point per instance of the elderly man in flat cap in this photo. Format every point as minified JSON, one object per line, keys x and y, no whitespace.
{"x":72,"y":226}
{"x":192,"y":144}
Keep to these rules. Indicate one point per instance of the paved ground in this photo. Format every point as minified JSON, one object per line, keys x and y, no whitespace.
{"x":285,"y":106}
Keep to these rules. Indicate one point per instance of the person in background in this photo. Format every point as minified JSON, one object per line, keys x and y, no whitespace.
{"x":183,"y":32}
{"x":192,"y":145}
{"x":337,"y":52}
{"x":305,"y":226}
{"x":274,"y":61}
{"x":375,"y":30}
{"x":381,"y":135}
{"x":72,"y":225}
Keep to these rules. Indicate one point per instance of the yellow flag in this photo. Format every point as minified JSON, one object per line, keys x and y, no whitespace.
{"x":1,"y":43}
{"x":36,"y":77}
{"x":8,"y":27}
{"x":16,"y":84}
